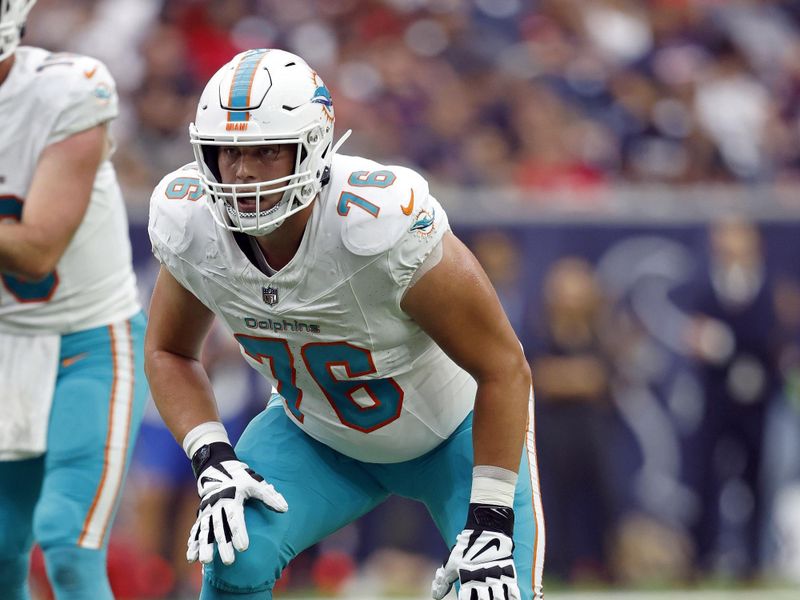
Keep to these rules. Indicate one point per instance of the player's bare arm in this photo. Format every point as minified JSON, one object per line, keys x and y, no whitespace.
{"x":456,"y":305}
{"x":177,"y":328}
{"x":54,"y":206}
{"x":181,"y":389}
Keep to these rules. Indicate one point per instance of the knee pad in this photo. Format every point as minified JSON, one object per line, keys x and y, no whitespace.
{"x":14,"y":577}
{"x":58,"y":521}
{"x":77,"y":573}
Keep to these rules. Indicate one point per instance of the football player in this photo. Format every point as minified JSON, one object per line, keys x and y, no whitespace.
{"x":72,"y":385}
{"x":396,"y":370}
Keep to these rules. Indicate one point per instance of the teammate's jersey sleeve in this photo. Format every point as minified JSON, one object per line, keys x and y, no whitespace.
{"x":87,"y":92}
{"x":45,"y":98}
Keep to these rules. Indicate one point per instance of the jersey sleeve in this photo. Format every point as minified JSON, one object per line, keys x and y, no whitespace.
{"x":422,"y":232}
{"x":401,"y":221}
{"x":88,"y":97}
{"x":172,"y":206}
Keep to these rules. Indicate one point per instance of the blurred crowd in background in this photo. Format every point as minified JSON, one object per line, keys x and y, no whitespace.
{"x":531,"y":93}
{"x":666,"y":359}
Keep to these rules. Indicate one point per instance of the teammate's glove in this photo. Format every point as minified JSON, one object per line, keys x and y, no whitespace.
{"x":482,"y":558}
{"x":224,"y":484}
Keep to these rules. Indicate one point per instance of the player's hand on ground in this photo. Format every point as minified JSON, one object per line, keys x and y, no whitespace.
{"x":224,"y":483}
{"x":482,"y":558}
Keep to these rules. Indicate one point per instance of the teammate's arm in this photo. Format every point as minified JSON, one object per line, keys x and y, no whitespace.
{"x":55,"y":205}
{"x":457,"y":306}
{"x":177,"y":327}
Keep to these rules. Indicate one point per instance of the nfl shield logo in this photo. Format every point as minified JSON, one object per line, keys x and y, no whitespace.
{"x":270,"y":295}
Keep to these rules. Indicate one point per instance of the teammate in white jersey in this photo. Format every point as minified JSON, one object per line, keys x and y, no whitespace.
{"x":342,"y":283}
{"x":72,"y":386}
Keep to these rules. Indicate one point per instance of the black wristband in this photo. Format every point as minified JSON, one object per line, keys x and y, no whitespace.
{"x":215,"y":453}
{"x":491,"y":517}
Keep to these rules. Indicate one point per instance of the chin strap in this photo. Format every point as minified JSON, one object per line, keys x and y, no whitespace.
{"x":341,"y":141}
{"x":326,"y":174}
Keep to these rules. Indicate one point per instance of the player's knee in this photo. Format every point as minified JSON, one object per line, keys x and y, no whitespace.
{"x":77,"y":573}
{"x":13,"y":575}
{"x":254,"y":570}
{"x":57,"y":521}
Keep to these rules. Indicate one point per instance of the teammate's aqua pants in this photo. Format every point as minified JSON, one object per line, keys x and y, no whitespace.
{"x":66,"y":499}
{"x":327,"y":490}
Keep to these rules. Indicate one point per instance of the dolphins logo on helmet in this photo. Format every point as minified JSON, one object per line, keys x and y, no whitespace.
{"x":322,"y":96}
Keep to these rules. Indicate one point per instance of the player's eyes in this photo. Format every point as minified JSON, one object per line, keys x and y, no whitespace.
{"x":269,"y":152}
{"x":266,"y":153}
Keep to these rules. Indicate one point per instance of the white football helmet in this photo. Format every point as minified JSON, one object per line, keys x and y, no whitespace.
{"x":12,"y":20}
{"x":264,"y":97}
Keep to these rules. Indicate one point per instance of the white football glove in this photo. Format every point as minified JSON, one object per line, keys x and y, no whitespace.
{"x":224,"y":483}
{"x":482,"y":558}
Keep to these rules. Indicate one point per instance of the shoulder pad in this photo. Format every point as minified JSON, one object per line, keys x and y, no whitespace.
{"x":82,"y":90}
{"x":380,"y":206}
{"x":73,"y":70}
{"x":176,"y":202}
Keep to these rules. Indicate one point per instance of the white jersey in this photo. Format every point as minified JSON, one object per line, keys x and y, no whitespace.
{"x":45,"y":99}
{"x":327,"y":330}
